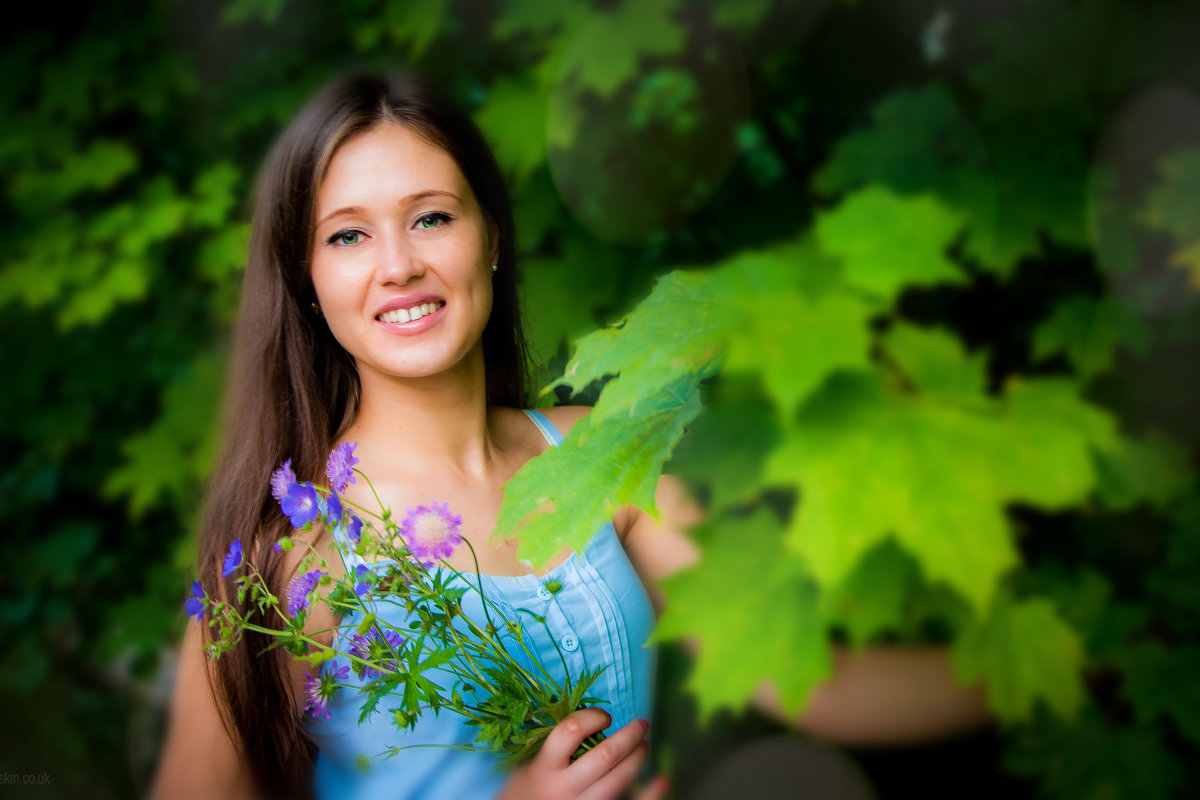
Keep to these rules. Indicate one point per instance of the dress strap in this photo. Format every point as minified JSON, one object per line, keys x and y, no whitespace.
{"x":549,"y":432}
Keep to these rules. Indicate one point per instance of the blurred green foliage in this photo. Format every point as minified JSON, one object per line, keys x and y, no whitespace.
{"x":938,"y":302}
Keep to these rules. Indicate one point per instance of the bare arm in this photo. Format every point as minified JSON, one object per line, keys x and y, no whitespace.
{"x":880,"y":696}
{"x":198,"y":760}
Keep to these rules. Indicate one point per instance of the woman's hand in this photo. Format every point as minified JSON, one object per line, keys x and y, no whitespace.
{"x":605,"y":773}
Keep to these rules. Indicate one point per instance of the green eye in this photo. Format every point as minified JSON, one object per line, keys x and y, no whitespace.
{"x":346,"y":237}
{"x":434,"y":220}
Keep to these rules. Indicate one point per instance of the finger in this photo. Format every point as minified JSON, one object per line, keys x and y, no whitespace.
{"x":656,"y":790}
{"x":564,"y":740}
{"x":617,"y":781}
{"x":607,"y":755}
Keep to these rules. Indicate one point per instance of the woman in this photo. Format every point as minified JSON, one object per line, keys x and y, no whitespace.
{"x":380,"y":307}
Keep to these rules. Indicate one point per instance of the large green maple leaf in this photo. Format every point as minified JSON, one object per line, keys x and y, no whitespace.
{"x":754,"y":613}
{"x":675,"y":333}
{"x":794,"y":342}
{"x":610,"y":459}
{"x":1023,"y":652}
{"x":932,"y":465}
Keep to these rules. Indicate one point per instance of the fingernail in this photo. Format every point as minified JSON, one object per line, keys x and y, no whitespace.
{"x":645,"y":723}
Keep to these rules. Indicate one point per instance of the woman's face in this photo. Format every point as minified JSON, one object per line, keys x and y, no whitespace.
{"x":401,"y":258}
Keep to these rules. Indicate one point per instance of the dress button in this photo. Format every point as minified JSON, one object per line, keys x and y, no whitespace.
{"x":569,"y":642}
{"x":543,"y":593}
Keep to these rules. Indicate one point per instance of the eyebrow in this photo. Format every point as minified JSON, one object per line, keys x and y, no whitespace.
{"x":412,"y":198}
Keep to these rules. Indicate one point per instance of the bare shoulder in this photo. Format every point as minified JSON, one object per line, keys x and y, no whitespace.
{"x":661,"y":547}
{"x":564,"y":417}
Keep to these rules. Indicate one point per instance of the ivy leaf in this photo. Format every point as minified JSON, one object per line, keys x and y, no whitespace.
{"x":895,"y":150}
{"x":865,"y":232}
{"x":1085,"y":599}
{"x":567,"y":290}
{"x":1152,"y":469}
{"x":1161,"y":681}
{"x":514,"y":113}
{"x":1023,"y":652}
{"x":214,"y":195}
{"x":735,"y":657}
{"x":921,"y":142}
{"x":1091,"y":758}
{"x":1173,"y":583}
{"x":607,"y":461}
{"x":1173,"y":207}
{"x":98,"y":167}
{"x":175,"y":453}
{"x":1017,"y":187}
{"x":223,"y":253}
{"x":537,"y":17}
{"x":741,"y":16}
{"x":1038,"y":180}
{"x":608,"y":47}
{"x":247,"y":10}
{"x":1089,"y":330}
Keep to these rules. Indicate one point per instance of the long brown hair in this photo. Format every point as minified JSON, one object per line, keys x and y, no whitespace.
{"x":292,"y":387}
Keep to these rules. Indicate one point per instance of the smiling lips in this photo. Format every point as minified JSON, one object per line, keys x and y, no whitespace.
{"x":411,"y":314}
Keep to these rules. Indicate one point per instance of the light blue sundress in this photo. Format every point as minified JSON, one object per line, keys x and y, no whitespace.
{"x":601,"y":616}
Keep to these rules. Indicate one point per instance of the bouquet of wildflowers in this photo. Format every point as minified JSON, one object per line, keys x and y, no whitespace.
{"x":514,"y":707}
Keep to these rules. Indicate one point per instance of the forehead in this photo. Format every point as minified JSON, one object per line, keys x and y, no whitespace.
{"x":385,"y":164}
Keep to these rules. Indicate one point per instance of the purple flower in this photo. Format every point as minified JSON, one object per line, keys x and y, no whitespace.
{"x":340,"y":466}
{"x":379,"y":650}
{"x":194,"y":605}
{"x":300,"y":588}
{"x":233,"y":559}
{"x":354,"y":529}
{"x":282,"y":479}
{"x":431,"y":532}
{"x":300,"y":504}
{"x":333,"y":508}
{"x":321,"y":688}
{"x":361,"y":574}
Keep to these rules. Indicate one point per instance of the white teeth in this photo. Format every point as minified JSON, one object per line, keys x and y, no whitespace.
{"x":409,"y":314}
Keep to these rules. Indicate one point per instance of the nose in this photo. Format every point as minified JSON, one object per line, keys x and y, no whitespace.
{"x":399,"y":261}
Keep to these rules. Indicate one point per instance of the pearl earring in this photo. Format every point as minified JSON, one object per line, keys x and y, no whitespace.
{"x":494,"y":267}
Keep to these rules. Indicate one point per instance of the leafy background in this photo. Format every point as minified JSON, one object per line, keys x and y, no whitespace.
{"x":933,"y":276}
